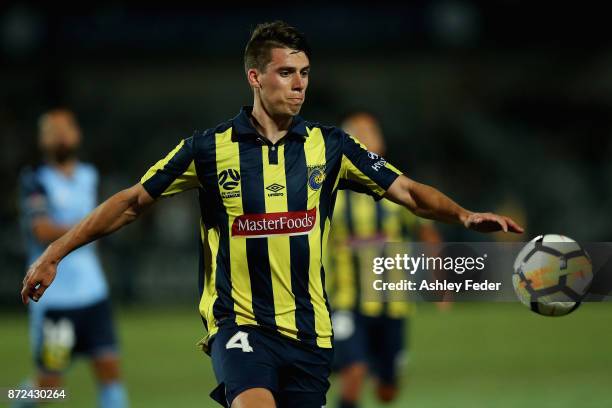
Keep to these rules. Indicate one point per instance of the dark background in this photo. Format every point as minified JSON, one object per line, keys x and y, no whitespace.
{"x":502,"y":105}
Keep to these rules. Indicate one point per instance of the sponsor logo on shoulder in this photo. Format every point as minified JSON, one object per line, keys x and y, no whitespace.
{"x":379,"y":164}
{"x":271,"y":224}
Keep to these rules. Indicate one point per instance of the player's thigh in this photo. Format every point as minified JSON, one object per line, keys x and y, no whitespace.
{"x":96,"y":331}
{"x":387,"y":349}
{"x":243,"y":359}
{"x":350,"y":342}
{"x":54,"y":341}
{"x":304,"y":379}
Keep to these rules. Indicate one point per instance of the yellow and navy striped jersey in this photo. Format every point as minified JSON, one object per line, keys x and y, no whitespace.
{"x":360,"y":229}
{"x":265,"y":217}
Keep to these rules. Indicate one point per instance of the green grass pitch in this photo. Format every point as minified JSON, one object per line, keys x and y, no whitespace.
{"x":475,"y":355}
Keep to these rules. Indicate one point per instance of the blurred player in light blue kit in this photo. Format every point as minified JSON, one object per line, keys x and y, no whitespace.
{"x":75,"y":316}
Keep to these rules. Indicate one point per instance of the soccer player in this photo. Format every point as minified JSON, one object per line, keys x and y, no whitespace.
{"x":369,"y":335}
{"x":75,"y":315}
{"x":266,"y":180}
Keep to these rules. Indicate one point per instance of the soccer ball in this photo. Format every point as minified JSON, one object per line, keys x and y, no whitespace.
{"x":552,"y":274}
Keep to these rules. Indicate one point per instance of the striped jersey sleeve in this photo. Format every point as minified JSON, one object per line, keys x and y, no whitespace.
{"x":174,"y":173}
{"x":364,"y":171}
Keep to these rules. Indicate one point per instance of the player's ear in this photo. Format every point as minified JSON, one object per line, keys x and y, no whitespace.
{"x":253,"y":78}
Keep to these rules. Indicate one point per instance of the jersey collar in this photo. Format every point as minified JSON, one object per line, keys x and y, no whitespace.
{"x":242,"y":125}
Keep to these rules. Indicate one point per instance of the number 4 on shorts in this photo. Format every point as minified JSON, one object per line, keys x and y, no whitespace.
{"x":239,"y":340}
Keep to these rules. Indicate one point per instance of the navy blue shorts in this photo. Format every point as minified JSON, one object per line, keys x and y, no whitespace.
{"x":375,"y":341}
{"x":248,"y":357}
{"x":62,"y":333}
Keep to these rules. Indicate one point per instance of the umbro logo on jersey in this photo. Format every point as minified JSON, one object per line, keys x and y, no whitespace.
{"x":275,"y":189}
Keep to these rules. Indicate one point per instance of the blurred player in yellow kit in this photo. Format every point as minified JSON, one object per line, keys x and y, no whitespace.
{"x":369,"y":335}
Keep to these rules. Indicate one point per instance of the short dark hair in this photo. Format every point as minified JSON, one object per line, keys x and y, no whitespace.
{"x":266,"y":36}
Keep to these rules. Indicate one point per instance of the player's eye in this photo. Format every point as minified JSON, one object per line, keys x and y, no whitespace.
{"x":284,"y":74}
{"x":305,"y":73}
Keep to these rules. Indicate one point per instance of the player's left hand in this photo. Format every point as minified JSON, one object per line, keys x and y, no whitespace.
{"x":489,"y":222}
{"x":37,"y":280}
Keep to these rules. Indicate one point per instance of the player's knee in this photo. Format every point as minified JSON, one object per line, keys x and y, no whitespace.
{"x":355,"y":371}
{"x":49,"y":380}
{"x":352,"y":381}
{"x":254,"y":398}
{"x":107,"y":368}
{"x":386,"y":393}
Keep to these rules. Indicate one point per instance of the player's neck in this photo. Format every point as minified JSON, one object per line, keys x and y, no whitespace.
{"x":66,"y":168}
{"x":271,"y":127}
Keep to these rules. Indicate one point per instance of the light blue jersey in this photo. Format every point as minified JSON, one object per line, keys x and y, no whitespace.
{"x":46,"y":191}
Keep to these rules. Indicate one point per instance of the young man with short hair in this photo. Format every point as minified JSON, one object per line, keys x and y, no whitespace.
{"x":267,"y":181}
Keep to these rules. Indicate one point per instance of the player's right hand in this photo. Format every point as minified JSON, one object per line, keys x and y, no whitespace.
{"x":489,"y":222}
{"x":40,"y":275}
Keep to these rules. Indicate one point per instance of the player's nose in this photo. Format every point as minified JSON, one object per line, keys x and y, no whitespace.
{"x":298,"y":83}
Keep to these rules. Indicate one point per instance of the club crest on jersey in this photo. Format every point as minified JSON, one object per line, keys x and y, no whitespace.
{"x":229,"y":179}
{"x":316,"y":176}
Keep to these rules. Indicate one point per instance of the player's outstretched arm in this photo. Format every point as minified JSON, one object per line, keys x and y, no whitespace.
{"x":119,"y":210}
{"x":427,"y":202}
